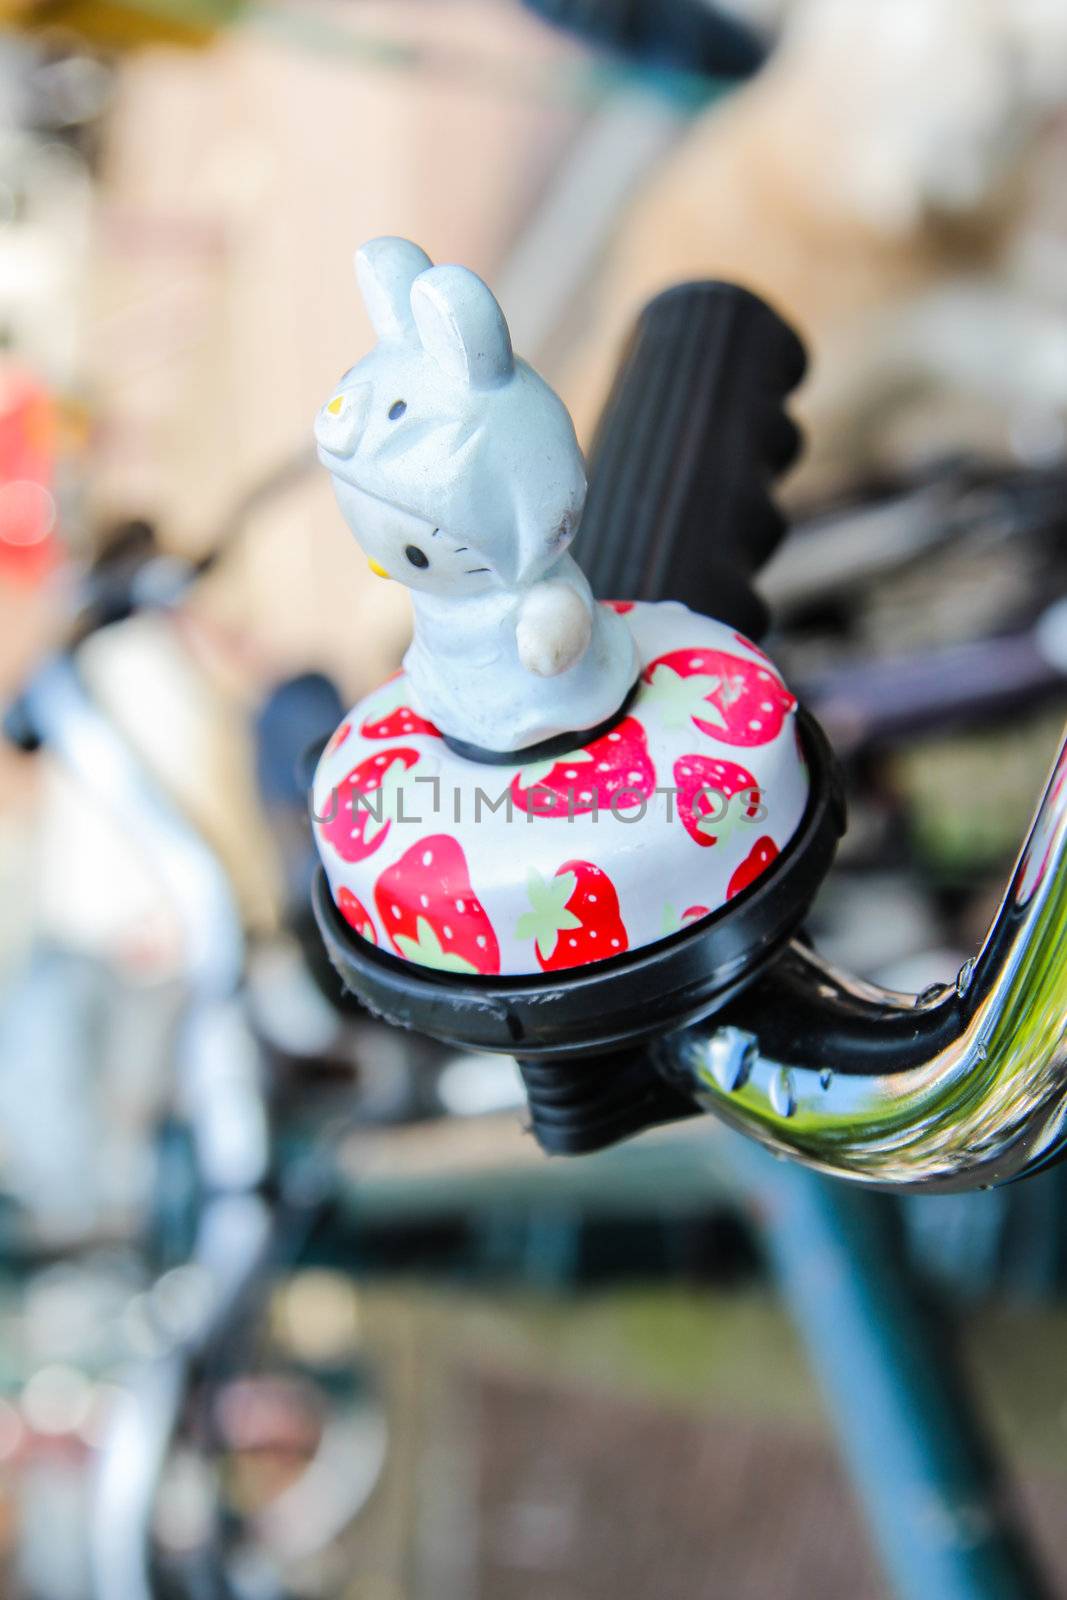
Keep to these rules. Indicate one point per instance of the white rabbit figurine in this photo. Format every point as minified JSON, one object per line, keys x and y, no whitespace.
{"x":458,"y":470}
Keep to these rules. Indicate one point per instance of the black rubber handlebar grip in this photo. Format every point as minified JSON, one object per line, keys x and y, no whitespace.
{"x":692,"y":438}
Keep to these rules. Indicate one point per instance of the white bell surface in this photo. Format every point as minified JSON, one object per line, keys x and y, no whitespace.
{"x":512,"y":868}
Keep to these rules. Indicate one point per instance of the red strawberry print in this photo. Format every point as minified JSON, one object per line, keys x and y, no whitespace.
{"x":573,"y":918}
{"x":756,"y":651}
{"x":615,"y":765}
{"x":621,"y":606}
{"x":672,"y":922}
{"x":391,"y":717}
{"x":356,"y":831}
{"x":338,"y":738}
{"x":430,"y":911}
{"x":759,"y":858}
{"x":355,"y":914}
{"x":401,"y":721}
{"x":706,"y":787}
{"x":740,"y":702}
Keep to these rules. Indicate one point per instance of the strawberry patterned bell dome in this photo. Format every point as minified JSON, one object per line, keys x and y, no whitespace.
{"x":505,"y":867}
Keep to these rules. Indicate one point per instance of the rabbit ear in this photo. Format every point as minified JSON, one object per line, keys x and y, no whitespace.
{"x":462,"y":327}
{"x":386,"y":269}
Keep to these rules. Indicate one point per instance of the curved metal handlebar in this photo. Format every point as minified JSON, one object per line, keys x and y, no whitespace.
{"x":961,"y":1087}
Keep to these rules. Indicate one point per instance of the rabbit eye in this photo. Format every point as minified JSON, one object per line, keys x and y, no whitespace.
{"x":417,"y":557}
{"x":397,"y":409}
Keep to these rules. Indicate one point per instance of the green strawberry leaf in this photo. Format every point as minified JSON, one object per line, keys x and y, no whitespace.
{"x":726,"y":815}
{"x":426,"y":949}
{"x":394,"y":695}
{"x":548,"y":916}
{"x":678,"y":699}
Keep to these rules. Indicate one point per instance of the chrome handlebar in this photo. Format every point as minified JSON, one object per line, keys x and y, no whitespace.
{"x":961,"y":1087}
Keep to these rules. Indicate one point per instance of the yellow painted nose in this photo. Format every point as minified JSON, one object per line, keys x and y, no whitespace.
{"x":379,"y":571}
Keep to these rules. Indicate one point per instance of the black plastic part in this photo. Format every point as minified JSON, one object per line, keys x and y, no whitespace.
{"x":559,"y":744}
{"x":610,"y":1005}
{"x":577,"y":1106}
{"x":692,"y":438}
{"x":687,"y":34}
{"x":797,"y":1004}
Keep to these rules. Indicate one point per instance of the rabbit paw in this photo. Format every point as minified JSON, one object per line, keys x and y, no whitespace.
{"x":553,"y":630}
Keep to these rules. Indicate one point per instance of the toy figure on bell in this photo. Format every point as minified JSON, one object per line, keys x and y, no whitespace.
{"x":458,"y":471}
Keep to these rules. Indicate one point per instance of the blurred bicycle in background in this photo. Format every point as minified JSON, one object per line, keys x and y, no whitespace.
{"x":216,"y":1168}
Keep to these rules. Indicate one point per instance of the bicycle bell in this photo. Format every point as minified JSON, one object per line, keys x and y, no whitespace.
{"x":567,"y":824}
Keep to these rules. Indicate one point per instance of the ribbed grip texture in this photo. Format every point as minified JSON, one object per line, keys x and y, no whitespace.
{"x":688,"y":34}
{"x":683,"y":464}
{"x":577,"y":1107}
